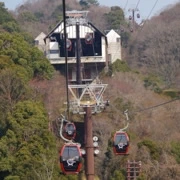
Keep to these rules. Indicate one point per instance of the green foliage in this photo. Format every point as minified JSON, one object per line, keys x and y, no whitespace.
{"x":152,"y":82}
{"x":175,"y":150}
{"x":28,"y":16}
{"x":125,"y":36}
{"x":87,"y":3}
{"x":142,"y":177}
{"x":117,"y":175}
{"x":23,"y":54}
{"x":57,"y":14}
{"x":122,"y":105}
{"x":7,"y":21}
{"x":118,"y":66}
{"x":173,"y":93}
{"x":5,"y":16}
{"x":39,"y":15}
{"x":154,"y":149}
{"x":28,"y":38}
{"x":11,"y":27}
{"x":5,"y":62}
{"x":93,"y":2}
{"x":12,"y":89}
{"x":12,"y":178}
{"x":84,"y":4}
{"x":115,"y":17}
{"x":27,"y":149}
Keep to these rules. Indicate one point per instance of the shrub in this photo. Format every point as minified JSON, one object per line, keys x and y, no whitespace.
{"x":118,"y":66}
{"x":176,"y":151}
{"x":153,"y":148}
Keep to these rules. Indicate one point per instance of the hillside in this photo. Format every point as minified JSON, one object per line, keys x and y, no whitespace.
{"x":152,"y":117}
{"x":32,"y":97}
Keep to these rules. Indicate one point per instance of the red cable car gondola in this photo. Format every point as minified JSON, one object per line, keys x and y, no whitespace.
{"x":70,"y":130}
{"x":68,"y":44}
{"x":121,"y":143}
{"x":89,"y":38}
{"x":70,"y":159}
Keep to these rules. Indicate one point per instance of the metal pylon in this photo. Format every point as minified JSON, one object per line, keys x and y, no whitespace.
{"x":90,"y":95}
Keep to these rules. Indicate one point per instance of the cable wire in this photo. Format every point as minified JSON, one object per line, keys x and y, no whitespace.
{"x":65,"y":50}
{"x":125,"y":5}
{"x":155,"y":106}
{"x":152,"y":107}
{"x":146,"y":19}
{"x":137,"y":4}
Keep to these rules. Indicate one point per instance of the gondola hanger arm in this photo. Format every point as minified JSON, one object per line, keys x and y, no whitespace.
{"x":127,"y":118}
{"x":61,"y":128}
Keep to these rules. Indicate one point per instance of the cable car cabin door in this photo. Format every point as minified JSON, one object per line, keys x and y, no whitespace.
{"x":121,"y":143}
{"x":70,"y":159}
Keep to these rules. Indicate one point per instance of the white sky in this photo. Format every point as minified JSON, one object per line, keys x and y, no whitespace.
{"x":144,"y":6}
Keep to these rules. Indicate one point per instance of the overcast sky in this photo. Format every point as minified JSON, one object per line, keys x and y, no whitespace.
{"x":146,"y":7}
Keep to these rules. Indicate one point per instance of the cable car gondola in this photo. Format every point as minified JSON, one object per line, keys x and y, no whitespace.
{"x":89,"y":38}
{"x":121,"y":143}
{"x":138,"y":15}
{"x":70,"y":130}
{"x":70,"y":159}
{"x":68,"y":44}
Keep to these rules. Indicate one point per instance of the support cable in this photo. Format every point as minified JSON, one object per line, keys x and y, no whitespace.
{"x":125,"y":5}
{"x":66,"y":60}
{"x":156,"y":106}
{"x":146,"y":20}
{"x":152,"y":107}
{"x":97,"y":75}
{"x":137,"y":4}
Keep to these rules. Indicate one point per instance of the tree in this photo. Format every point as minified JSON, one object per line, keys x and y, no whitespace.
{"x":28,"y":149}
{"x":86,"y":3}
{"x":12,"y":90}
{"x":115,"y":17}
{"x":11,"y":27}
{"x":156,"y":49}
{"x":5,"y":16}
{"x":23,"y":54}
{"x":93,"y":2}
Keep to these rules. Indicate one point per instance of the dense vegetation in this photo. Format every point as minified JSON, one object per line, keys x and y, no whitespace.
{"x":32,"y":95}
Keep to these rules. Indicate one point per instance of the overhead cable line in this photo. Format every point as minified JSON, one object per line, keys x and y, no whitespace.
{"x":137,"y":4}
{"x":155,"y":106}
{"x":146,"y":19}
{"x":152,"y":107}
{"x":152,"y":9}
{"x":65,"y":51}
{"x":125,"y":5}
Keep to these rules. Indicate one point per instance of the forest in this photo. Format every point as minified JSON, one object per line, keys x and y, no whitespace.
{"x":146,"y":81}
